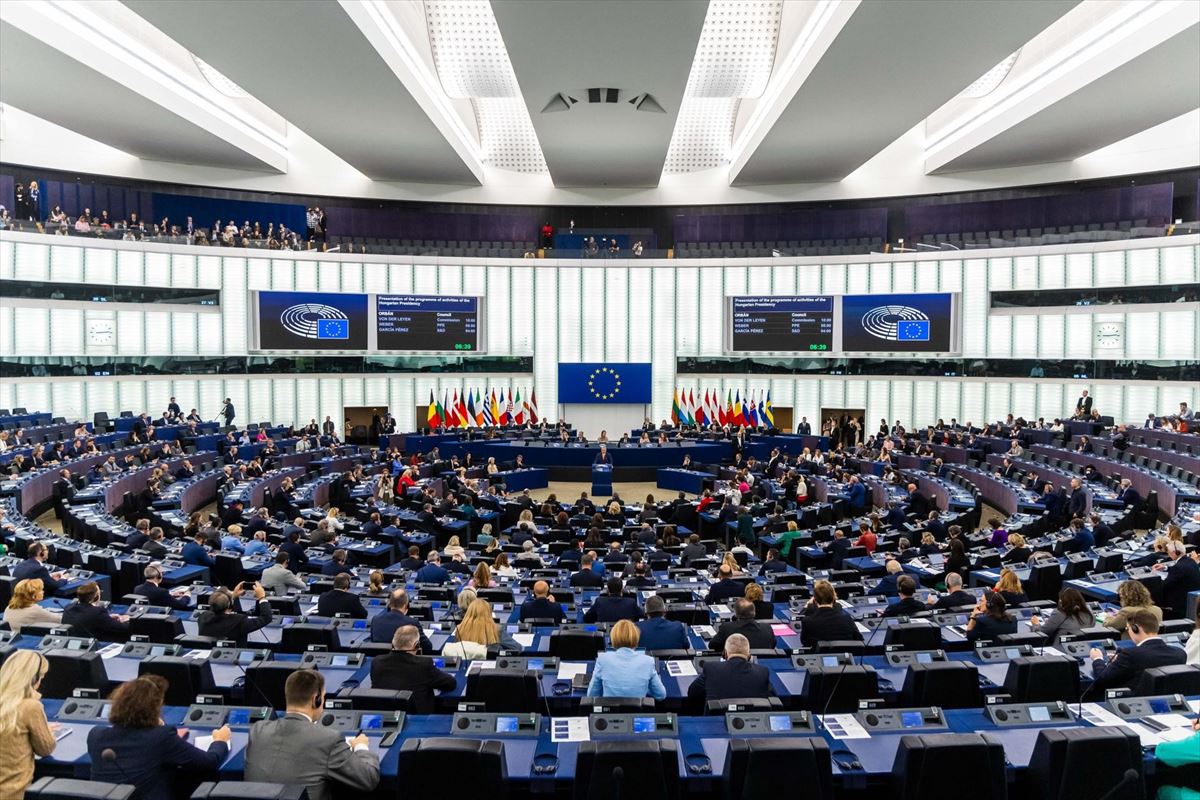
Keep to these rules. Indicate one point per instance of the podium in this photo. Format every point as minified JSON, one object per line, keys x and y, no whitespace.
{"x":602,"y":480}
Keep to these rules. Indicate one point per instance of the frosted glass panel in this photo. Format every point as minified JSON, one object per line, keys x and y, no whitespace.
{"x":31,"y":331}
{"x":593,"y":314}
{"x":1079,"y":336}
{"x":858,"y":278}
{"x":570,"y":326}
{"x":450,"y":278}
{"x":808,"y":280}
{"x":879,"y":403}
{"x":158,"y":269}
{"x":208,"y":272}
{"x":1000,"y":336}
{"x":951,"y":273}
{"x":973,"y":404}
{"x":616,"y":316}
{"x":522,"y":320}
{"x":1023,"y":400}
{"x":183,"y":333}
{"x":833,"y":278}
{"x":66,"y":332}
{"x":1024,"y":336}
{"x":307,"y":400}
{"x":499,"y":310}
{"x":329,"y":277}
{"x":129,"y":267}
{"x":306,"y":276}
{"x":924,"y":404}
{"x":158,"y":333}
{"x":425,"y":279}
{"x":737,"y":281}
{"x":1079,"y":269}
{"x":130,"y":333}
{"x":662,"y":334}
{"x":66,"y":264}
{"x":640,"y":288}
{"x":1141,"y":400}
{"x":1051,"y":405}
{"x":283,"y":274}
{"x":331,"y":400}
{"x":902,"y":404}
{"x":711,"y":297}
{"x":1025,"y":272}
{"x":283,"y":402}
{"x":1053,"y":271}
{"x":880,"y":278}
{"x":1000,"y":274}
{"x":1178,"y":264}
{"x":1051,"y":335}
{"x":233,"y":300}
{"x":131,"y":396}
{"x":999,"y":400}
{"x":1110,"y":268}
{"x":949,"y":403}
{"x":1143,"y":267}
{"x":545,"y":361}
{"x":211,"y":395}
{"x":903,"y":277}
{"x":183,"y":270}
{"x":102,"y":396}
{"x":783,"y":279}
{"x":100,"y":266}
{"x":400,"y":279}
{"x":1142,"y":335}
{"x":352,"y":278}
{"x":686,"y":309}
{"x":1180,"y":329}
{"x":807,"y":402}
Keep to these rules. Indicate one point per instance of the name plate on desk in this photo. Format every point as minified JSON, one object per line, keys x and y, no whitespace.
{"x":339,"y":660}
{"x":1014,"y":715}
{"x":902,"y":719}
{"x":767,"y":723}
{"x":61,"y":641}
{"x":468,"y":723}
{"x":904,"y":658}
{"x":654,"y":726}
{"x":814,"y":660}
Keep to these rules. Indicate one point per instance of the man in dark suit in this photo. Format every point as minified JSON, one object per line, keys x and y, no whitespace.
{"x":412,"y":561}
{"x":154,"y":546}
{"x":602,"y":457}
{"x":174,"y":410}
{"x":613,"y":605}
{"x":658,"y":632}
{"x":1129,"y":496}
{"x":542,"y":605}
{"x":340,"y":600}
{"x":824,"y":621}
{"x":385,"y":624}
{"x":34,"y":568}
{"x":228,"y":412}
{"x":221,"y":622}
{"x":433,"y":571}
{"x":692,"y":550}
{"x":1083,"y":406}
{"x":773,"y":563}
{"x":85,"y":618}
{"x":955,"y":596}
{"x":907,"y":605}
{"x":726,"y":588}
{"x":64,"y":490}
{"x":1183,"y":577}
{"x":1126,"y":666}
{"x":1077,"y":502}
{"x":734,"y":677}
{"x":259,"y":522}
{"x":586,"y":577}
{"x":151,"y":589}
{"x":856,"y":496}
{"x":759,"y":634}
{"x":291,"y":545}
{"x":838,"y":548}
{"x":918,"y":504}
{"x":804,"y":428}
{"x":1101,"y":530}
{"x":337,"y":564}
{"x":404,"y":670}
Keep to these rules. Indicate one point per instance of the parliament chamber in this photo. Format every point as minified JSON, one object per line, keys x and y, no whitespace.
{"x":681,"y":399}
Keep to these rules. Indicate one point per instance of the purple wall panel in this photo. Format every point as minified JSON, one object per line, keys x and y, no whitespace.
{"x":808,"y":224}
{"x":1151,"y":202}
{"x":421,"y":225}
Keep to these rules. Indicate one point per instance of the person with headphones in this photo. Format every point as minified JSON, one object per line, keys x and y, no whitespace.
{"x":222,"y":622}
{"x":24,"y":730}
{"x":1126,"y":665}
{"x":294,"y":749}
{"x":151,"y":589}
{"x":87,"y":618}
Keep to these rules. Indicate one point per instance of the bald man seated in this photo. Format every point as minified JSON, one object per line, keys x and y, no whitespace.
{"x":734,"y":677}
{"x":403,"y":669}
{"x":542,"y":605}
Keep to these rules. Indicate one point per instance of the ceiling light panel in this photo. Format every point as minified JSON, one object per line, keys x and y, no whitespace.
{"x":987,"y":83}
{"x":734,"y":58}
{"x":472,"y":62}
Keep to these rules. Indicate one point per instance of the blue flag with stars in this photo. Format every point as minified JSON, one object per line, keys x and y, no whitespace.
{"x":604,"y":382}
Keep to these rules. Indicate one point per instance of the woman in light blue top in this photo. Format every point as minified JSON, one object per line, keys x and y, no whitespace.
{"x":624,"y":672}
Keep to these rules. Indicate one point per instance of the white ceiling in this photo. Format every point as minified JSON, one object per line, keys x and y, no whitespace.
{"x":373,"y":96}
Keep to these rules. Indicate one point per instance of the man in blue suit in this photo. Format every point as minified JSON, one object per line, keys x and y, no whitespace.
{"x":542,"y":605}
{"x":887,"y":584}
{"x":151,"y":589}
{"x":34,"y":568}
{"x":385,"y":624}
{"x":857,"y":495}
{"x":658,"y":632}
{"x":613,"y":606}
{"x":602,"y":457}
{"x":194,"y":552}
{"x":1129,"y":495}
{"x":734,"y":676}
{"x":433,"y":571}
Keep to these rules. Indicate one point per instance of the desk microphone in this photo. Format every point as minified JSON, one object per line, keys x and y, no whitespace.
{"x":618,"y":776}
{"x":1129,"y":777}
{"x":110,"y":756}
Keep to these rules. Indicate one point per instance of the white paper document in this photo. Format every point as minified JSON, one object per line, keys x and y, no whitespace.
{"x":681,"y":669}
{"x":524,"y":639}
{"x":567,"y":670}
{"x":203,"y":742}
{"x":704,"y":631}
{"x":111,"y":651}
{"x":844,"y":726}
{"x":569,"y":729}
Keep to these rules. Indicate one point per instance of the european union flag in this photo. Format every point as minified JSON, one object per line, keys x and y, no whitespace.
{"x":333,"y":329}
{"x":913,"y":330}
{"x":604,"y":382}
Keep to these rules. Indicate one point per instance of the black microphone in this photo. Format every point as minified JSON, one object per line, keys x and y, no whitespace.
{"x":110,"y":756}
{"x":1129,"y":777}
{"x":618,"y":776}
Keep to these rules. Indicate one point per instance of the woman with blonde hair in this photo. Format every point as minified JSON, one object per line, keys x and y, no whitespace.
{"x":453,"y":548}
{"x":24,"y":730}
{"x":376,"y":586}
{"x":475,"y":634}
{"x":1009,"y":587}
{"x":335,"y":524}
{"x":623,"y":671}
{"x":762,"y":609}
{"x":482,"y":579}
{"x":1132,"y":596}
{"x":23,"y":608}
{"x":730,"y":560}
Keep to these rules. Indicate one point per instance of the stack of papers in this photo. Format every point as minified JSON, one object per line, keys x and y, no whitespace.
{"x":569,"y":669}
{"x":681,"y":669}
{"x":111,"y":651}
{"x":569,"y":729}
{"x":524,"y":639}
{"x":844,"y":726}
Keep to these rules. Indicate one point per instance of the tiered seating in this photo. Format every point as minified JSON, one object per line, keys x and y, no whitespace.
{"x":766,"y":249}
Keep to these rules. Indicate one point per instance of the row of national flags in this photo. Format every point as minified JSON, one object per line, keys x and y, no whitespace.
{"x":481,"y":409}
{"x":708,"y":409}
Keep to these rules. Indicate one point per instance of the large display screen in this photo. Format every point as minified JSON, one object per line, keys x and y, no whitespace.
{"x":417,"y":322}
{"x":898,"y":323}
{"x":774,"y":324}
{"x":311,"y":321}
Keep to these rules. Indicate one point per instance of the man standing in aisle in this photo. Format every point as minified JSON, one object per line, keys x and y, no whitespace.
{"x":228,"y":412}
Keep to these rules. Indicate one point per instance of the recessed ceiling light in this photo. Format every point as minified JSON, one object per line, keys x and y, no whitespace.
{"x":217,"y":80}
{"x":987,"y":83}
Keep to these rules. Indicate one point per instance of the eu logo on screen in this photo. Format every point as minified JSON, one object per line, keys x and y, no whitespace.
{"x":340,"y":329}
{"x":914,"y":331}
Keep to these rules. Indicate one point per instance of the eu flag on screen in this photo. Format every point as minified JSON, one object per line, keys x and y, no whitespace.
{"x":333,"y":329}
{"x":916,"y":330}
{"x":604,"y":382}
